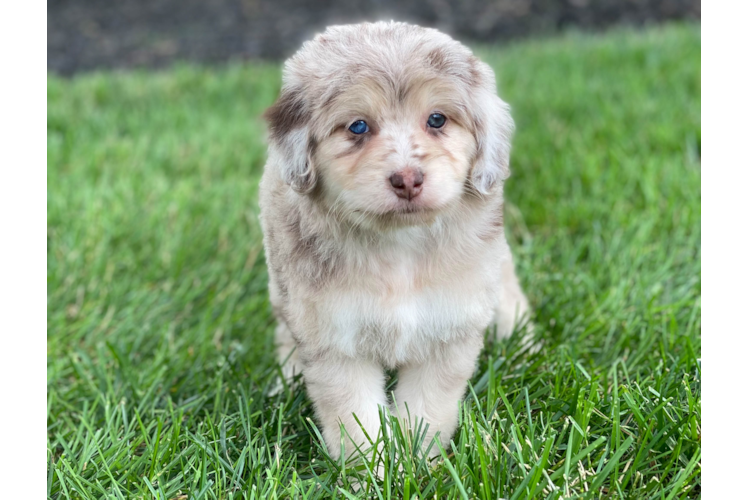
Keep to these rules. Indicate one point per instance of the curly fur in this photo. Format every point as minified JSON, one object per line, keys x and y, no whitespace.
{"x":362,"y":280}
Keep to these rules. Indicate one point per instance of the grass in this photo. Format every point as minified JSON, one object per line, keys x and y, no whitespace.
{"x":160,"y":340}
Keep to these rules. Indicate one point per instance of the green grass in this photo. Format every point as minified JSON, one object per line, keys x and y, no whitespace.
{"x":160,"y":342}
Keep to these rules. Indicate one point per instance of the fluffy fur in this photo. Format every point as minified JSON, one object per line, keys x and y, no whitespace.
{"x":361,"y":279}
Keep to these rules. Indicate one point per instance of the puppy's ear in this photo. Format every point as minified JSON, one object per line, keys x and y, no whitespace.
{"x":288,"y":120}
{"x":493,"y":128}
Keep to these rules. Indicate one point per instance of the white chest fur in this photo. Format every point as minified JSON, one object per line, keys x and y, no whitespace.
{"x":402,"y":302}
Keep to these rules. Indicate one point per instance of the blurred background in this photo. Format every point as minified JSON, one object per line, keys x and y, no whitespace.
{"x":89,"y":34}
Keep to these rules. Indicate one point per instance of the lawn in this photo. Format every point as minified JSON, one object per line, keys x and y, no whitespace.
{"x":160,"y":334}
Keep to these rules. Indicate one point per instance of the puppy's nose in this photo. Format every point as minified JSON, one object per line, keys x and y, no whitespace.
{"x":407,"y":183}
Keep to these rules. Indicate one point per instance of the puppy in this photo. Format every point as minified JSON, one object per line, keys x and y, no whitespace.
{"x":382,"y":212}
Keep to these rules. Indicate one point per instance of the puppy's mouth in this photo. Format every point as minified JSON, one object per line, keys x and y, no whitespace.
{"x":408,"y":214}
{"x":401,"y":210}
{"x":410,"y":208}
{"x":398,"y":212}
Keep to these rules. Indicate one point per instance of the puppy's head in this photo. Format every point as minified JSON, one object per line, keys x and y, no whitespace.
{"x":389,"y":121}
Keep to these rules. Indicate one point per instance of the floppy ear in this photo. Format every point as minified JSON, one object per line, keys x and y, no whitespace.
{"x":493,"y":127}
{"x":288,"y":120}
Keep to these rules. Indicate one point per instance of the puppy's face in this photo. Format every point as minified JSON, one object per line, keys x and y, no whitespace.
{"x":395,"y":157}
{"x":389,"y":122}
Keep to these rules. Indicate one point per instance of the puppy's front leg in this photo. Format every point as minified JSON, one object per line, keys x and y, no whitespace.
{"x":340,"y":387}
{"x":432,"y":390}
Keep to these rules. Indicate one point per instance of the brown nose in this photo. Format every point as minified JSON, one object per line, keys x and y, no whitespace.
{"x":407,"y":183}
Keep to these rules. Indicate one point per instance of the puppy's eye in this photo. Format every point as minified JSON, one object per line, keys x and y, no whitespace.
{"x":359,"y":127}
{"x":436,"y":120}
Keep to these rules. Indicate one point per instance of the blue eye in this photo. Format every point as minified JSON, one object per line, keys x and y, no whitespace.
{"x":436,"y":120}
{"x":359,"y":127}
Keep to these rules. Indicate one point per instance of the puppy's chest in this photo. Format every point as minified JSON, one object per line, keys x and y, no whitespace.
{"x":397,"y":310}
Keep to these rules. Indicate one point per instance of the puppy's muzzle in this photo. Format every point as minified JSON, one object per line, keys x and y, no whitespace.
{"x":407,"y":183}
